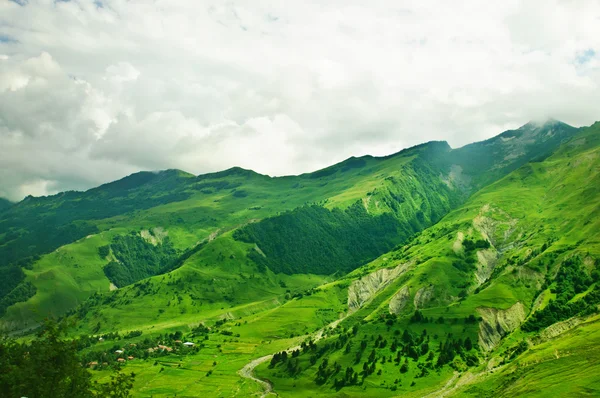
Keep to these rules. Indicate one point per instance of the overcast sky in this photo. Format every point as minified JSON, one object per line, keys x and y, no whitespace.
{"x":91,"y":91}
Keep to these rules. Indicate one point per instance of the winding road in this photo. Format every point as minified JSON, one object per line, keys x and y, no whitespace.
{"x":247,"y":371}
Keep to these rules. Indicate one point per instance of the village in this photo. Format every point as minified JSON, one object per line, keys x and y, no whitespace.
{"x":131,"y":347}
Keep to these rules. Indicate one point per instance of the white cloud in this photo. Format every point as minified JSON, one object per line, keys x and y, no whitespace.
{"x":89,"y":93}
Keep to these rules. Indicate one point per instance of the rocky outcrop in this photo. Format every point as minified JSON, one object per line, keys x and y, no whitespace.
{"x":457,"y":245}
{"x":559,"y":328}
{"x":486,"y":262}
{"x":154,"y":236}
{"x":495,"y":225}
{"x":399,"y":301}
{"x":423,"y":297}
{"x":363,"y":289}
{"x":496,"y":324}
{"x":456,"y":178}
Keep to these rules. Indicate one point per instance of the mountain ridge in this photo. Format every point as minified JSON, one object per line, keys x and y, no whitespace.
{"x":436,"y":144}
{"x":413,"y":272}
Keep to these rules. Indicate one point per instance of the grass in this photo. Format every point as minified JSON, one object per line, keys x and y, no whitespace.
{"x":62,"y":282}
{"x":541,"y":203}
{"x":554,"y":202}
{"x":568,"y":366}
{"x":64,"y":279}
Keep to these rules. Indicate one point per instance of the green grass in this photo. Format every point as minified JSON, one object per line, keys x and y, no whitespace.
{"x":64,"y":279}
{"x":542,"y":203}
{"x":553,"y":203}
{"x":568,"y":366}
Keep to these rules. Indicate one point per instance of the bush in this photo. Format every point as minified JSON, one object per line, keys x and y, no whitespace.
{"x":103,"y":251}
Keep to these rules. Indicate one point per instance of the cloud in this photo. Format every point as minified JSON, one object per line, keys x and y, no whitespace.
{"x":91,"y":91}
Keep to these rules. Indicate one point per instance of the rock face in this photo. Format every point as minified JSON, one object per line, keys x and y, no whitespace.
{"x":495,"y":225}
{"x":154,"y":236}
{"x":559,"y":328}
{"x":486,"y":262}
{"x":362,"y":290}
{"x":457,"y":245}
{"x":399,"y":301}
{"x":498,"y":323}
{"x":423,"y":297}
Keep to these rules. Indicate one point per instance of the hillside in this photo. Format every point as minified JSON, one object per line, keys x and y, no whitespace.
{"x":5,"y":204}
{"x":451,"y":311}
{"x":379,"y":276}
{"x":361,"y":208}
{"x":513,"y":270}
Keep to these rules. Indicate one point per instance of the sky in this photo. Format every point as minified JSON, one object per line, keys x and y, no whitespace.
{"x":91,"y":91}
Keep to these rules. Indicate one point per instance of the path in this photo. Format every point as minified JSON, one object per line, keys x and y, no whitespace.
{"x":247,"y":371}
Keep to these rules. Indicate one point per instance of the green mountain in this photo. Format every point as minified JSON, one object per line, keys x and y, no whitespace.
{"x":433,"y":270}
{"x":358,"y":209}
{"x":513,"y":270}
{"x":5,"y":204}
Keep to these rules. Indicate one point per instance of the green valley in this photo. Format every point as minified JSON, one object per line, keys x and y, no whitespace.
{"x":431,"y":272}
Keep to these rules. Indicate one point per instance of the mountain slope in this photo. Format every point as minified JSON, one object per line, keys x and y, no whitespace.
{"x":513,"y":250}
{"x":410,"y":190}
{"x":489,"y":160}
{"x":461,"y":296}
{"x":5,"y":204}
{"x":474,"y":278}
{"x":81,"y":259}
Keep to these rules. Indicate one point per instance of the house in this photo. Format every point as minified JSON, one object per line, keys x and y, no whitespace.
{"x":129,"y":358}
{"x":165,"y":348}
{"x":178,"y":341}
{"x":100,"y":339}
{"x":120,"y":360}
{"x":119,"y":352}
{"x":92,"y":364}
{"x":188,"y":344}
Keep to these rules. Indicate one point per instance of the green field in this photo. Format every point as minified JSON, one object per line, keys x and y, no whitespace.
{"x":378,"y":277}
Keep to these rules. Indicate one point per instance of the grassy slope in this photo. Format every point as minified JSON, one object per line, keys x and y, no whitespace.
{"x":567,"y":365}
{"x":554,"y":200}
{"x":209,"y":211}
{"x":267,"y":326}
{"x":212,"y":284}
{"x":192,"y":209}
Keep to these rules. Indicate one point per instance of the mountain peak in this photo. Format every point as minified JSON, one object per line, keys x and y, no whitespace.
{"x":232,"y":171}
{"x":545,"y":122}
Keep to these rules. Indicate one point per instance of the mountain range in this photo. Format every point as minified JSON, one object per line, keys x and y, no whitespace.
{"x":430,"y":272}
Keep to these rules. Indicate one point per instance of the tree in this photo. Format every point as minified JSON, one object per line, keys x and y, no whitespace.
{"x":404,"y":367}
{"x":103,"y":251}
{"x":118,"y":387}
{"x":468,"y":344}
{"x":49,"y":367}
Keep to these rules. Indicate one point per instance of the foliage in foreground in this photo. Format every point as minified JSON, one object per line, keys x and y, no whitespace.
{"x":49,"y":366}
